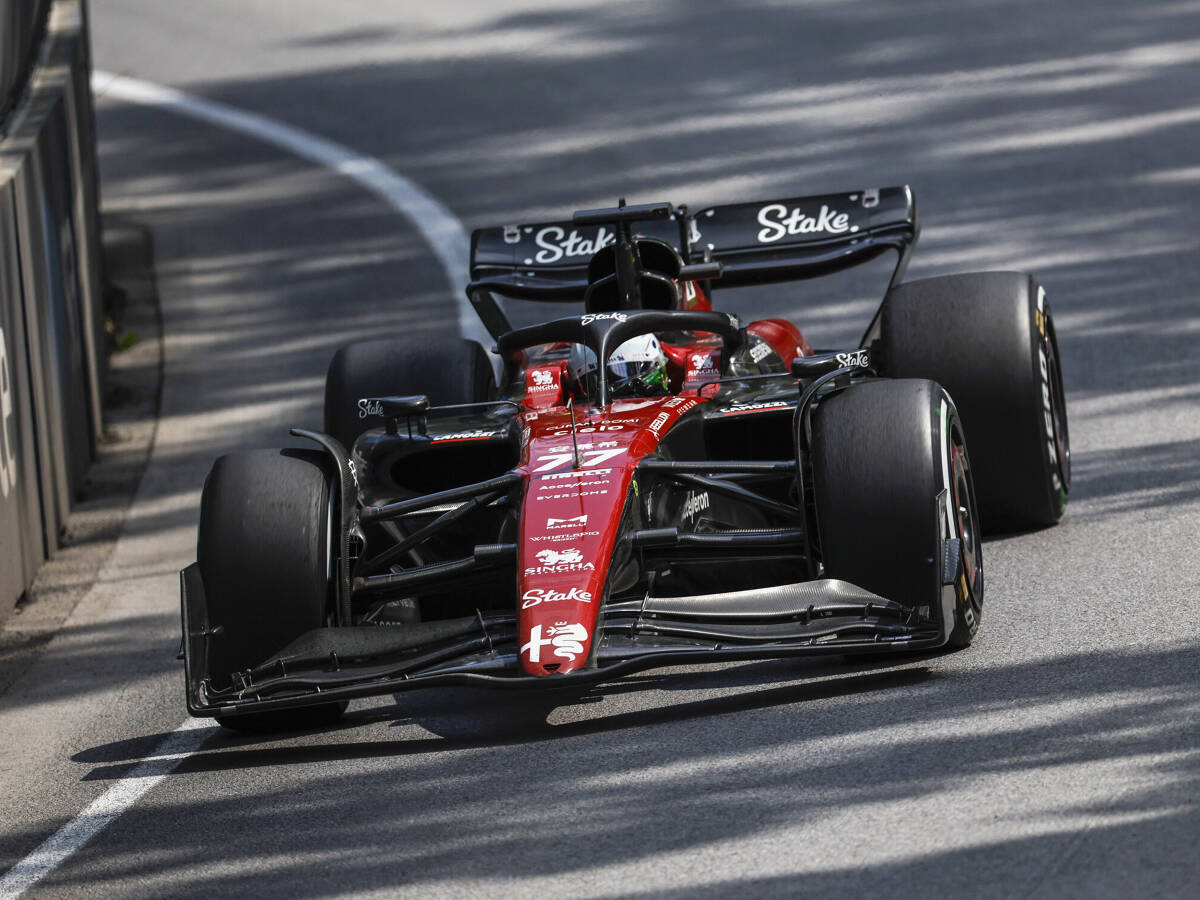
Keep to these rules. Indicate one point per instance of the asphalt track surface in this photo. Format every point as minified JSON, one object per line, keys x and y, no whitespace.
{"x":1056,"y":757}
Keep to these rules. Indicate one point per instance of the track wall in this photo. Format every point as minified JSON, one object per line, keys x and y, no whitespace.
{"x":51,"y":316}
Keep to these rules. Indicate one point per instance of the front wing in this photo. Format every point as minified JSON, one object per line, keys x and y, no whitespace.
{"x":332,"y":664}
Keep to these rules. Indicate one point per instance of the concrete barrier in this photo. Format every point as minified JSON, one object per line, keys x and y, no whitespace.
{"x":50,"y":294}
{"x":20,"y":505}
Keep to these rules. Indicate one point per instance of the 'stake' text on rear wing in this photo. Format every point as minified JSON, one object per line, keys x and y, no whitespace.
{"x":804,"y":237}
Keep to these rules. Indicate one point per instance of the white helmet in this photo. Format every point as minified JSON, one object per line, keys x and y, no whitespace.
{"x":637,"y":368}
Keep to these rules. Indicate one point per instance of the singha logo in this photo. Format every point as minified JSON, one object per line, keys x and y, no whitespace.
{"x":558,"y":558}
{"x":555,"y":562}
{"x":541,"y":377}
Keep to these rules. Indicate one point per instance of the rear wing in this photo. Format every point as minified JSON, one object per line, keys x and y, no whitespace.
{"x":756,"y":243}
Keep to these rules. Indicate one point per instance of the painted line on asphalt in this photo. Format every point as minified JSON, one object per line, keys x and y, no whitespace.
{"x":446,"y":237}
{"x":55,"y":850}
{"x":443,"y":231}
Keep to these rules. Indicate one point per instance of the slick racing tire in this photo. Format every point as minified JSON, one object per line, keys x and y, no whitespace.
{"x":891,"y":480}
{"x":264,"y":554}
{"x":449,"y":370}
{"x":988,"y":338}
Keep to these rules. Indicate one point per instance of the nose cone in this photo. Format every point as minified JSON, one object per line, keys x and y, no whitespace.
{"x":569,"y":528}
{"x":575,"y":497}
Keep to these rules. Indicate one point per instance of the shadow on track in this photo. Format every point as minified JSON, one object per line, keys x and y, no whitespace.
{"x":674,"y":776}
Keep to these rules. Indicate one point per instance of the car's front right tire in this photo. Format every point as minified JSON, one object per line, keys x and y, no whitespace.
{"x":264,"y":558}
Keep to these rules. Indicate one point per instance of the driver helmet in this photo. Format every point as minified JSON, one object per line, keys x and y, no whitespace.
{"x":637,"y":368}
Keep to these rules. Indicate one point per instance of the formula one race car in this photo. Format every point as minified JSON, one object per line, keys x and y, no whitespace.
{"x":652,"y":482}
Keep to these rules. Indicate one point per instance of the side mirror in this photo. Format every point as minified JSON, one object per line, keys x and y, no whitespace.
{"x":394,"y":408}
{"x":804,"y":367}
{"x":705,"y":271}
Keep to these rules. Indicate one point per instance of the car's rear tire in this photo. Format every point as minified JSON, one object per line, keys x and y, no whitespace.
{"x":263,"y":553}
{"x":988,"y":339}
{"x":882,"y":453}
{"x":447,"y":370}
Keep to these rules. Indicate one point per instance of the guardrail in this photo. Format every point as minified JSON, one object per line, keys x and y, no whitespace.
{"x":51,"y":317}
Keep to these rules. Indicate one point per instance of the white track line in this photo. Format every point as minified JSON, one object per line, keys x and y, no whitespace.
{"x":55,"y":850}
{"x":441,"y":228}
{"x":448,"y":240}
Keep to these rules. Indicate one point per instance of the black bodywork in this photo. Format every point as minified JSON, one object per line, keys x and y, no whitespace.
{"x":423,"y":584}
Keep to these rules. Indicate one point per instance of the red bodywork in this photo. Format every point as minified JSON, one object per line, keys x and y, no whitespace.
{"x":576,"y":491}
{"x":571,"y":514}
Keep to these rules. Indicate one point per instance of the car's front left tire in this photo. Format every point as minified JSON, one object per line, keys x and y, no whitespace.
{"x":891,"y":482}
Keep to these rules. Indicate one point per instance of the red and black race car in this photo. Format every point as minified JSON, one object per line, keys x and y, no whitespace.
{"x":652,"y":482}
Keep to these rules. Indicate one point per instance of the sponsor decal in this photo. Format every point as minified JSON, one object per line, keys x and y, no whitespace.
{"x":556,"y":557}
{"x":566,"y":523}
{"x":586,"y":429}
{"x":739,"y":408}
{"x":464,"y":436}
{"x":761,"y":351}
{"x":564,"y":537}
{"x":577,"y":473}
{"x":566,"y":639}
{"x":573,"y":495}
{"x":543,"y":386}
{"x":570,"y":487}
{"x":659,"y":421}
{"x":531,"y":417}
{"x":8,"y":435}
{"x":589,"y":318}
{"x":777,"y":221}
{"x":369,"y":407}
{"x":591,"y":458}
{"x":582,"y":446}
{"x":860,"y":358}
{"x":702,"y":365}
{"x":557,"y":244}
{"x":695,"y":503}
{"x":535,"y":596}
{"x":556,"y":562}
{"x":680,"y":405}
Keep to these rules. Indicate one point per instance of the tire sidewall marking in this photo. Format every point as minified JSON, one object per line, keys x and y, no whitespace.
{"x":1047,"y":432}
